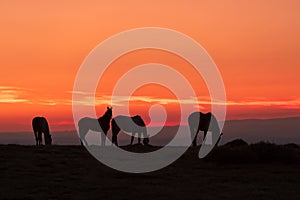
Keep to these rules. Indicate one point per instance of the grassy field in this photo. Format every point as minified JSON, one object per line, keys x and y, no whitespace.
{"x":232,"y":171}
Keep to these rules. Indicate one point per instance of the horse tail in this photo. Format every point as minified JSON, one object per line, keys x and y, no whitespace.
{"x":144,"y":130}
{"x":215,"y":129}
{"x":81,"y":129}
{"x":194,"y":120}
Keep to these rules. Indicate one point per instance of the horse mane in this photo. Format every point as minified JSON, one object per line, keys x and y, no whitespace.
{"x":138,"y":120}
{"x":106,"y":115}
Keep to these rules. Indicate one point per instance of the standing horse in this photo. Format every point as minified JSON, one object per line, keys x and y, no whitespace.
{"x":40,"y":125}
{"x":205,"y":122}
{"x":99,"y":125}
{"x":131,"y":125}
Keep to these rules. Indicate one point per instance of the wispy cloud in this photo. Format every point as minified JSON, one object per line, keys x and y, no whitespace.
{"x":281,"y":103}
{"x":48,"y":102}
{"x":10,"y":94}
{"x":88,"y":100}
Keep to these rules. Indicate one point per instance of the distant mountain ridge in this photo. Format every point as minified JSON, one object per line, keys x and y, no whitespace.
{"x":277,"y":130}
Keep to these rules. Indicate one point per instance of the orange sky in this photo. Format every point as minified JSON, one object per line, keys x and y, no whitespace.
{"x":255,"y":44}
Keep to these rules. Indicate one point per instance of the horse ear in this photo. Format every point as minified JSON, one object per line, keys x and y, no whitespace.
{"x":107,"y":108}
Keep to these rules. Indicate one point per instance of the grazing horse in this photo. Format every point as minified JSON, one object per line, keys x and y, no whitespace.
{"x":205,"y":122}
{"x":40,"y":125}
{"x":102,"y":125}
{"x":131,"y":125}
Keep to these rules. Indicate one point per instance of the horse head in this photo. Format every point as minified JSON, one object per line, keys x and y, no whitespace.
{"x":108,"y":112}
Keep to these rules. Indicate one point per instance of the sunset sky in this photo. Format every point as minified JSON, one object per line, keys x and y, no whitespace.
{"x":255,"y":45}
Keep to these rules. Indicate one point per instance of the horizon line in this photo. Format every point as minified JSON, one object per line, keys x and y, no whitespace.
{"x":177,"y":125}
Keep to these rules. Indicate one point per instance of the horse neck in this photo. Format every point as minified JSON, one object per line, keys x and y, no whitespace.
{"x":105,"y":116}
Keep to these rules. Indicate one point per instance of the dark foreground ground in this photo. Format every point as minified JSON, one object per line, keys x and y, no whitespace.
{"x":70,"y":172}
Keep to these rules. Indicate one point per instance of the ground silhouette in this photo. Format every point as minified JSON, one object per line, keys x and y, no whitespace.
{"x":70,"y":172}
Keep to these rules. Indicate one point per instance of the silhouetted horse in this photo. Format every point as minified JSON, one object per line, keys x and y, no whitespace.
{"x":199,"y":121}
{"x":40,"y":125}
{"x":131,"y":125}
{"x":102,"y":124}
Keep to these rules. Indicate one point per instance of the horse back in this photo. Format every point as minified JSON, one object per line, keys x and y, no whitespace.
{"x":208,"y":122}
{"x":127,"y":123}
{"x":200,"y":120}
{"x":99,"y":125}
{"x":138,"y":120}
{"x":205,"y":119}
{"x":41,"y":124}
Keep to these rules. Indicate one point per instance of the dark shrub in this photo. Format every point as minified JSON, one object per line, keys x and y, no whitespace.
{"x":236,"y":143}
{"x":238,"y":151}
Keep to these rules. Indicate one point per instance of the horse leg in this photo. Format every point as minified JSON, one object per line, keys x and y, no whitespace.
{"x":139,"y":137}
{"x":36,"y":138}
{"x":205,"y":132}
{"x":145,"y":137}
{"x":115,"y":130}
{"x":132,"y":138}
{"x":195,"y":139}
{"x":105,"y":136}
{"x":115,"y":139}
{"x":83,"y":142}
{"x":103,"y":139}
{"x":40,"y":139}
{"x":194,"y":129}
{"x":82,"y":133}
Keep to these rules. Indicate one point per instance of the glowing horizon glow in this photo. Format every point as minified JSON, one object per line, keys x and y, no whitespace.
{"x":141,"y":101}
